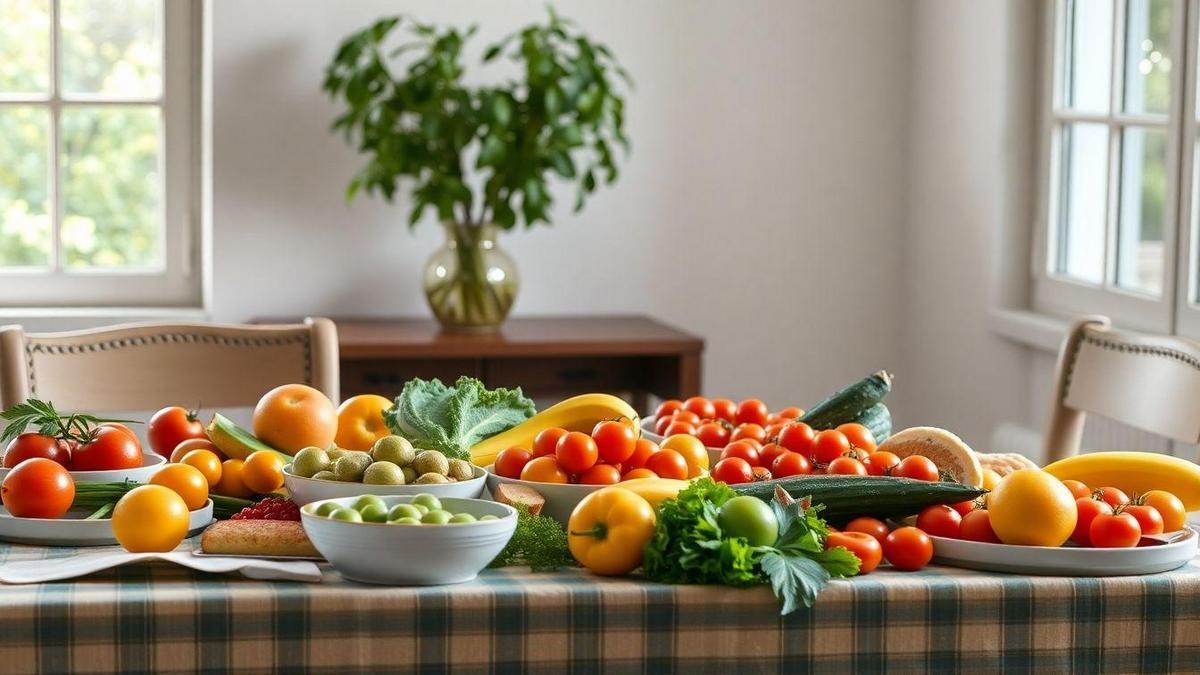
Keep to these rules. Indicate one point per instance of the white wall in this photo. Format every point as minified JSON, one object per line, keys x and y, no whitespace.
{"x":763,"y":207}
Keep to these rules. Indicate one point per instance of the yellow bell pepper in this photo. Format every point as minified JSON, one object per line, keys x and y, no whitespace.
{"x":608,"y":530}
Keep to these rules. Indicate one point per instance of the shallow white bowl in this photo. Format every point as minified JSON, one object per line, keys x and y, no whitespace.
{"x":151,"y":463}
{"x":307,"y":490}
{"x":714,"y":454}
{"x":561,"y":498}
{"x":411,"y":555}
{"x":73,"y":530}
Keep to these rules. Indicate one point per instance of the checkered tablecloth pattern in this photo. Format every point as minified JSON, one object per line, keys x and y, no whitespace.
{"x":159,"y":617}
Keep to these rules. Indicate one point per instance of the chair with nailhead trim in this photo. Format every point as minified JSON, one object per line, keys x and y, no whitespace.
{"x":147,"y":366}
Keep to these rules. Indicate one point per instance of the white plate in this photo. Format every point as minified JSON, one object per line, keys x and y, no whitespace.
{"x":73,"y":530}
{"x":561,"y":498}
{"x":306,"y":490}
{"x":1067,"y":561}
{"x":151,"y":463}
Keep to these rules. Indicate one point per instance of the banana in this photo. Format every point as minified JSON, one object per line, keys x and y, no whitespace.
{"x":578,"y":413}
{"x":654,"y":490}
{"x":1133,"y":472}
{"x":234,"y":441}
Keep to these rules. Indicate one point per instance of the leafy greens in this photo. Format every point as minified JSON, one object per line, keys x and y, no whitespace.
{"x":452,"y":419}
{"x":538,"y":541}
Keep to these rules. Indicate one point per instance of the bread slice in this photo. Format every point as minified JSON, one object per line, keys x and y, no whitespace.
{"x":513,"y":494}
{"x":257,"y":537}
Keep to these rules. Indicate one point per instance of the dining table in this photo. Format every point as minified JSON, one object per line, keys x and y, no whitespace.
{"x":160,"y":617}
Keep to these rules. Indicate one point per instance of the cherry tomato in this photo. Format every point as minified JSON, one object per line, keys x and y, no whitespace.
{"x":171,"y":426}
{"x":798,"y":437}
{"x":751,"y":431}
{"x":977,"y":526}
{"x":191,"y":444}
{"x":29,"y":445}
{"x":881,"y":463}
{"x":546,"y":442}
{"x":769,"y":452}
{"x":679,"y":428}
{"x":688,"y":416}
{"x":908,"y":549}
{"x":790,"y":413}
{"x":1077,"y":488}
{"x":940,"y":521}
{"x":733,"y":470}
{"x":668,"y":464}
{"x":1086,"y":509}
{"x":107,"y":448}
{"x":37,"y":488}
{"x":702,"y":407}
{"x":713,"y":434}
{"x":634,"y":474}
{"x":1117,"y":530}
{"x":772,"y":431}
{"x":661,"y":424}
{"x":576,"y":452}
{"x":917,"y":467}
{"x":846,"y":466}
{"x":790,"y":464}
{"x":857,"y":453}
{"x":773,"y":420}
{"x":744,"y":451}
{"x":858,"y":435}
{"x":864,"y":547}
{"x":1113,"y":497}
{"x":752,"y":411}
{"x":868,"y":525}
{"x":615,"y":441}
{"x":510,"y":462}
{"x":667,"y":408}
{"x":726,"y":409}
{"x":829,"y":445}
{"x":262,"y":472}
{"x":1168,"y":506}
{"x":1148,"y":517}
{"x":964,"y":507}
{"x":601,"y":474}
{"x":543,"y":469}
{"x":641,"y":452}
{"x":761,"y":473}
{"x":206,"y":462}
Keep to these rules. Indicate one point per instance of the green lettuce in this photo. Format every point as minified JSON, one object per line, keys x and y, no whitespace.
{"x":452,"y":419}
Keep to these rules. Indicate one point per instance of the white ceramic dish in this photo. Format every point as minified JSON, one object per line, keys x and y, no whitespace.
{"x":151,"y":463}
{"x":412,"y":555}
{"x":307,"y":490}
{"x":1065,"y":561}
{"x":561,"y":498}
{"x":73,"y":530}
{"x":714,"y":454}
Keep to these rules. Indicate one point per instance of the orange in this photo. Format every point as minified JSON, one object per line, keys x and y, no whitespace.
{"x":360,"y":421}
{"x":1030,"y":507}
{"x":231,"y":483}
{"x":206,"y":462}
{"x":294,"y":416}
{"x":186,"y":481}
{"x":150,"y":518}
{"x":263,"y":471}
{"x":191,"y":444}
{"x":692,"y":449}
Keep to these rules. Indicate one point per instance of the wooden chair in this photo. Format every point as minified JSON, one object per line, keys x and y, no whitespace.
{"x":1146,"y":381}
{"x":147,"y":366}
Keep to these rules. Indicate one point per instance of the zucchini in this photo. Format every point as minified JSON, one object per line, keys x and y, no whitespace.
{"x":846,"y":404}
{"x":845,"y":497}
{"x":878,"y":419}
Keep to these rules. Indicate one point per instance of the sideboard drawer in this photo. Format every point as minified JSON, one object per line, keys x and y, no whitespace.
{"x":573,"y":375}
{"x":387,"y":377}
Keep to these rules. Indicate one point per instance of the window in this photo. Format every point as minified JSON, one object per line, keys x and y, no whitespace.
{"x":98,"y":186}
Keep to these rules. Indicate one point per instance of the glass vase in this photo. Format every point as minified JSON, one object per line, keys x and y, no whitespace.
{"x":470,"y":282}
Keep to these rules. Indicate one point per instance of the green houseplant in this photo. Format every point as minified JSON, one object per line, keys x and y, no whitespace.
{"x":481,"y":156}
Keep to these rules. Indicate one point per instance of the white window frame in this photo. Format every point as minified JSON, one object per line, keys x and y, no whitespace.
{"x":1187,"y":307}
{"x":179,"y":283}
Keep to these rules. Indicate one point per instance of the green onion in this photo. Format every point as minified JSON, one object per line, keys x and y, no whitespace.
{"x":97,"y":496}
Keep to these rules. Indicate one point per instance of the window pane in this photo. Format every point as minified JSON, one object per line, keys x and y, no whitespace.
{"x":1148,"y":56}
{"x":1143,"y":199}
{"x":112,"y":47}
{"x":1087,"y":57}
{"x":24,"y":187}
{"x":1083,"y":195}
{"x":24,"y":46}
{"x":111,"y":187}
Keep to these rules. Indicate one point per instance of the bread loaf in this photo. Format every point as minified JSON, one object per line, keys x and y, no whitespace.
{"x":257,"y":537}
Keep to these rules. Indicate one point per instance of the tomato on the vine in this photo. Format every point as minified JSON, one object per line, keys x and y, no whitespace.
{"x":615,"y":440}
{"x":858,"y":435}
{"x":908,"y":549}
{"x":977,"y":526}
{"x":546,"y":441}
{"x":733,"y":470}
{"x":702,"y":407}
{"x":917,"y":467}
{"x":171,"y":426}
{"x":790,"y":464}
{"x":1113,"y":496}
{"x":511,"y":461}
{"x":798,"y":437}
{"x":882,"y":463}
{"x":752,"y":411}
{"x":864,"y":547}
{"x":846,"y":466}
{"x":1148,"y":517}
{"x":30,"y":445}
{"x":725,"y":408}
{"x":107,"y":448}
{"x":744,"y":451}
{"x":829,"y":445}
{"x":713,"y":434}
{"x":940,"y":520}
{"x":1116,"y":530}
{"x":667,"y":408}
{"x":1086,"y":510}
{"x":576,"y":452}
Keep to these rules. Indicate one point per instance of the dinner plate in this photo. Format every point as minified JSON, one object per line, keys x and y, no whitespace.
{"x":151,"y":463}
{"x":73,"y":530}
{"x":1066,"y":561}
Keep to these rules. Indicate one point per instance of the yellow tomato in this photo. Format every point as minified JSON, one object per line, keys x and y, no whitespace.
{"x":360,"y":421}
{"x":150,"y":518}
{"x":207,"y":463}
{"x":186,"y":481}
{"x":231,"y":483}
{"x":692,"y":449}
{"x":263,"y":471}
{"x":1030,"y":507}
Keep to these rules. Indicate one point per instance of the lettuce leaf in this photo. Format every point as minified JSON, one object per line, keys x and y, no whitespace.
{"x":452,"y":419}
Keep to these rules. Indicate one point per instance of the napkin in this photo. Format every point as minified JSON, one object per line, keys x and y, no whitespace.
{"x":37,"y":571}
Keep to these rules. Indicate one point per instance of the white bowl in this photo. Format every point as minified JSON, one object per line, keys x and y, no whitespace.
{"x":561,"y":498}
{"x":151,"y":463}
{"x":73,"y":530}
{"x":307,"y":490}
{"x":411,"y":555}
{"x":714,"y":454}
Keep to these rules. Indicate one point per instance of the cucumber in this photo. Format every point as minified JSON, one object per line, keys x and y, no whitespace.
{"x":878,"y":419}
{"x":845,"y":497}
{"x":846,"y":404}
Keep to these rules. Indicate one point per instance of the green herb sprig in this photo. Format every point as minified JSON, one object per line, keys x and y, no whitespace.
{"x":49,"y":422}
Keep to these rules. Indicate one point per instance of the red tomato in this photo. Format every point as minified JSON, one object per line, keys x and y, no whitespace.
{"x":576,"y":452}
{"x":751,"y":431}
{"x":858,"y":435}
{"x":752,"y":411}
{"x":864,"y":547}
{"x":726,"y":409}
{"x":679,"y":428}
{"x":798,"y":437}
{"x":601,"y":474}
{"x":544,"y":469}
{"x":1148,"y":517}
{"x":964,"y":507}
{"x":702,"y":407}
{"x":687,"y":416}
{"x":858,"y":453}
{"x":790,"y":464}
{"x":761,"y":473}
{"x":790,"y":413}
{"x":546,"y":442}
{"x":1113,"y":497}
{"x":1077,"y":488}
{"x":881,"y":463}
{"x":977,"y":526}
{"x":772,"y":431}
{"x":940,"y":521}
{"x":868,"y":525}
{"x":641,"y":452}
{"x":768,"y":453}
{"x":829,"y":445}
{"x":615,"y":441}
{"x":668,"y":408}
{"x":917,"y":467}
{"x":908,"y":549}
{"x":775,"y":420}
{"x":171,"y":426}
{"x":1118,"y":530}
{"x":1086,"y":510}
{"x":733,"y":470}
{"x":713,"y":434}
{"x":744,"y":451}
{"x":846,"y":466}
{"x":108,"y":448}
{"x":29,"y":445}
{"x":668,"y":464}
{"x":37,"y":488}
{"x":661,"y":424}
{"x":510,"y":462}
{"x":638,"y":473}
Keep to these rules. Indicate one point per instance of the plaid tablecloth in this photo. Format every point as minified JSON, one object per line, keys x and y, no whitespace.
{"x":161,"y":618}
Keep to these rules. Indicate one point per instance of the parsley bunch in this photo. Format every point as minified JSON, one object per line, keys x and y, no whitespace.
{"x":538,"y":541}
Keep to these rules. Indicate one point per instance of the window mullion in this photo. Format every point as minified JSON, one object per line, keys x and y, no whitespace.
{"x":55,"y":105}
{"x":1116,"y":106}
